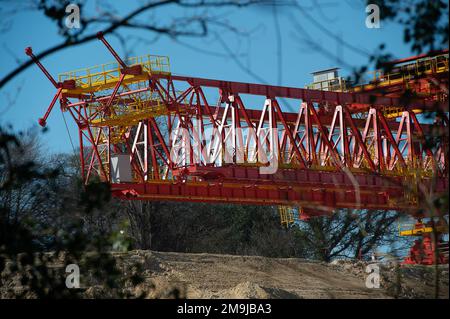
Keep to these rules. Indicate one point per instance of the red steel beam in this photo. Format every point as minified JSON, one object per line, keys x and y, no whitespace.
{"x":306,"y":188}
{"x":356,"y":101}
{"x":253,"y":114}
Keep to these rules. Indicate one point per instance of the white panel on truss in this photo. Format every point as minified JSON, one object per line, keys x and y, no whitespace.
{"x":121,"y":168}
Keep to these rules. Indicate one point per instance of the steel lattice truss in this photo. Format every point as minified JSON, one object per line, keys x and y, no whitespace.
{"x":193,"y":139}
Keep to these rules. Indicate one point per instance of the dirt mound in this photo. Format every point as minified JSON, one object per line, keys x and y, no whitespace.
{"x":228,"y":276}
{"x":175,"y":275}
{"x":250,"y":290}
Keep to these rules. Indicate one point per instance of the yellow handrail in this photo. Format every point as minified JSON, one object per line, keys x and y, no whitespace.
{"x":410,"y":71}
{"x":107,"y":73}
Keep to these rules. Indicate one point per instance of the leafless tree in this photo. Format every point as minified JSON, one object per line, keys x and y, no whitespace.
{"x":347,"y":234}
{"x":139,"y":214}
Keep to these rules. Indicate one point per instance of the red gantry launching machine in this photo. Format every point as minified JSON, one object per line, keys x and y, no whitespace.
{"x":154,"y":135}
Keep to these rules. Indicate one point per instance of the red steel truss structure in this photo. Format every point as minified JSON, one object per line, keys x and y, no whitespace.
{"x":202,"y":140}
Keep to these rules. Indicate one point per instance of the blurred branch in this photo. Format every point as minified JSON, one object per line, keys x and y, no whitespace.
{"x":114,"y":23}
{"x":238,"y":62}
{"x":279,"y":46}
{"x":328,"y":33}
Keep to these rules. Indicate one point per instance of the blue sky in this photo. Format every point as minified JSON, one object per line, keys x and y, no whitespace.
{"x":257,"y":50}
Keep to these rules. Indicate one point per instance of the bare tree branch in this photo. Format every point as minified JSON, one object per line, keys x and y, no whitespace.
{"x":115,"y":23}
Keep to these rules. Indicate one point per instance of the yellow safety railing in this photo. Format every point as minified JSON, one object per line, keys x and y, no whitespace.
{"x":412,"y":229}
{"x":109,"y":73}
{"x":131,"y":112}
{"x":286,"y":215}
{"x":336,"y":85}
{"x":394,"y":111}
{"x":405,"y":72}
{"x":131,"y":117}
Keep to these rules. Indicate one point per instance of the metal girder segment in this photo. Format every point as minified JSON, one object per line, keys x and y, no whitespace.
{"x":242,"y":194}
{"x":344,"y":136}
{"x":213,"y":122}
{"x":392,"y":142}
{"x":253,"y":114}
{"x":106,"y":98}
{"x":252,"y":131}
{"x":92,"y":156}
{"x":273,"y":145}
{"x":207,"y":108}
{"x":238,"y":139}
{"x":289,"y":134}
{"x":94,"y":142}
{"x":361,"y":140}
{"x":160,"y":138}
{"x":362,"y":99}
{"x":43,"y":120}
{"x":174,"y":151}
{"x":365,"y":138}
{"x":183,"y":95}
{"x":215,"y":126}
{"x":152,"y":148}
{"x":306,"y":177}
{"x":113,"y":95}
{"x":197,"y":139}
{"x":422,"y":137}
{"x":299,"y":139}
{"x":77,"y":117}
{"x":378,"y":141}
{"x":165,"y":160}
{"x":188,"y":125}
{"x":290,"y":117}
{"x":259,"y":153}
{"x":323,"y":132}
{"x":135,"y":148}
{"x":341,"y":138}
{"x":200,"y":124}
{"x":171,"y":86}
{"x":82,"y":164}
{"x":398,"y":138}
{"x":219,"y":139}
{"x":244,"y":112}
{"x":409,"y":138}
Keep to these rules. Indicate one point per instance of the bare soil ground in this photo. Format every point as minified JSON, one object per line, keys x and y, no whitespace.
{"x":227,"y":276}
{"x":185,"y":275}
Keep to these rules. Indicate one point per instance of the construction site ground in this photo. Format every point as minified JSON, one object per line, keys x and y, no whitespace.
{"x":188,"y":275}
{"x":229,"y":276}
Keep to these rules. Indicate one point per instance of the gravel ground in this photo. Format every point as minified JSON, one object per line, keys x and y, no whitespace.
{"x":228,"y":276}
{"x":168,"y":275}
